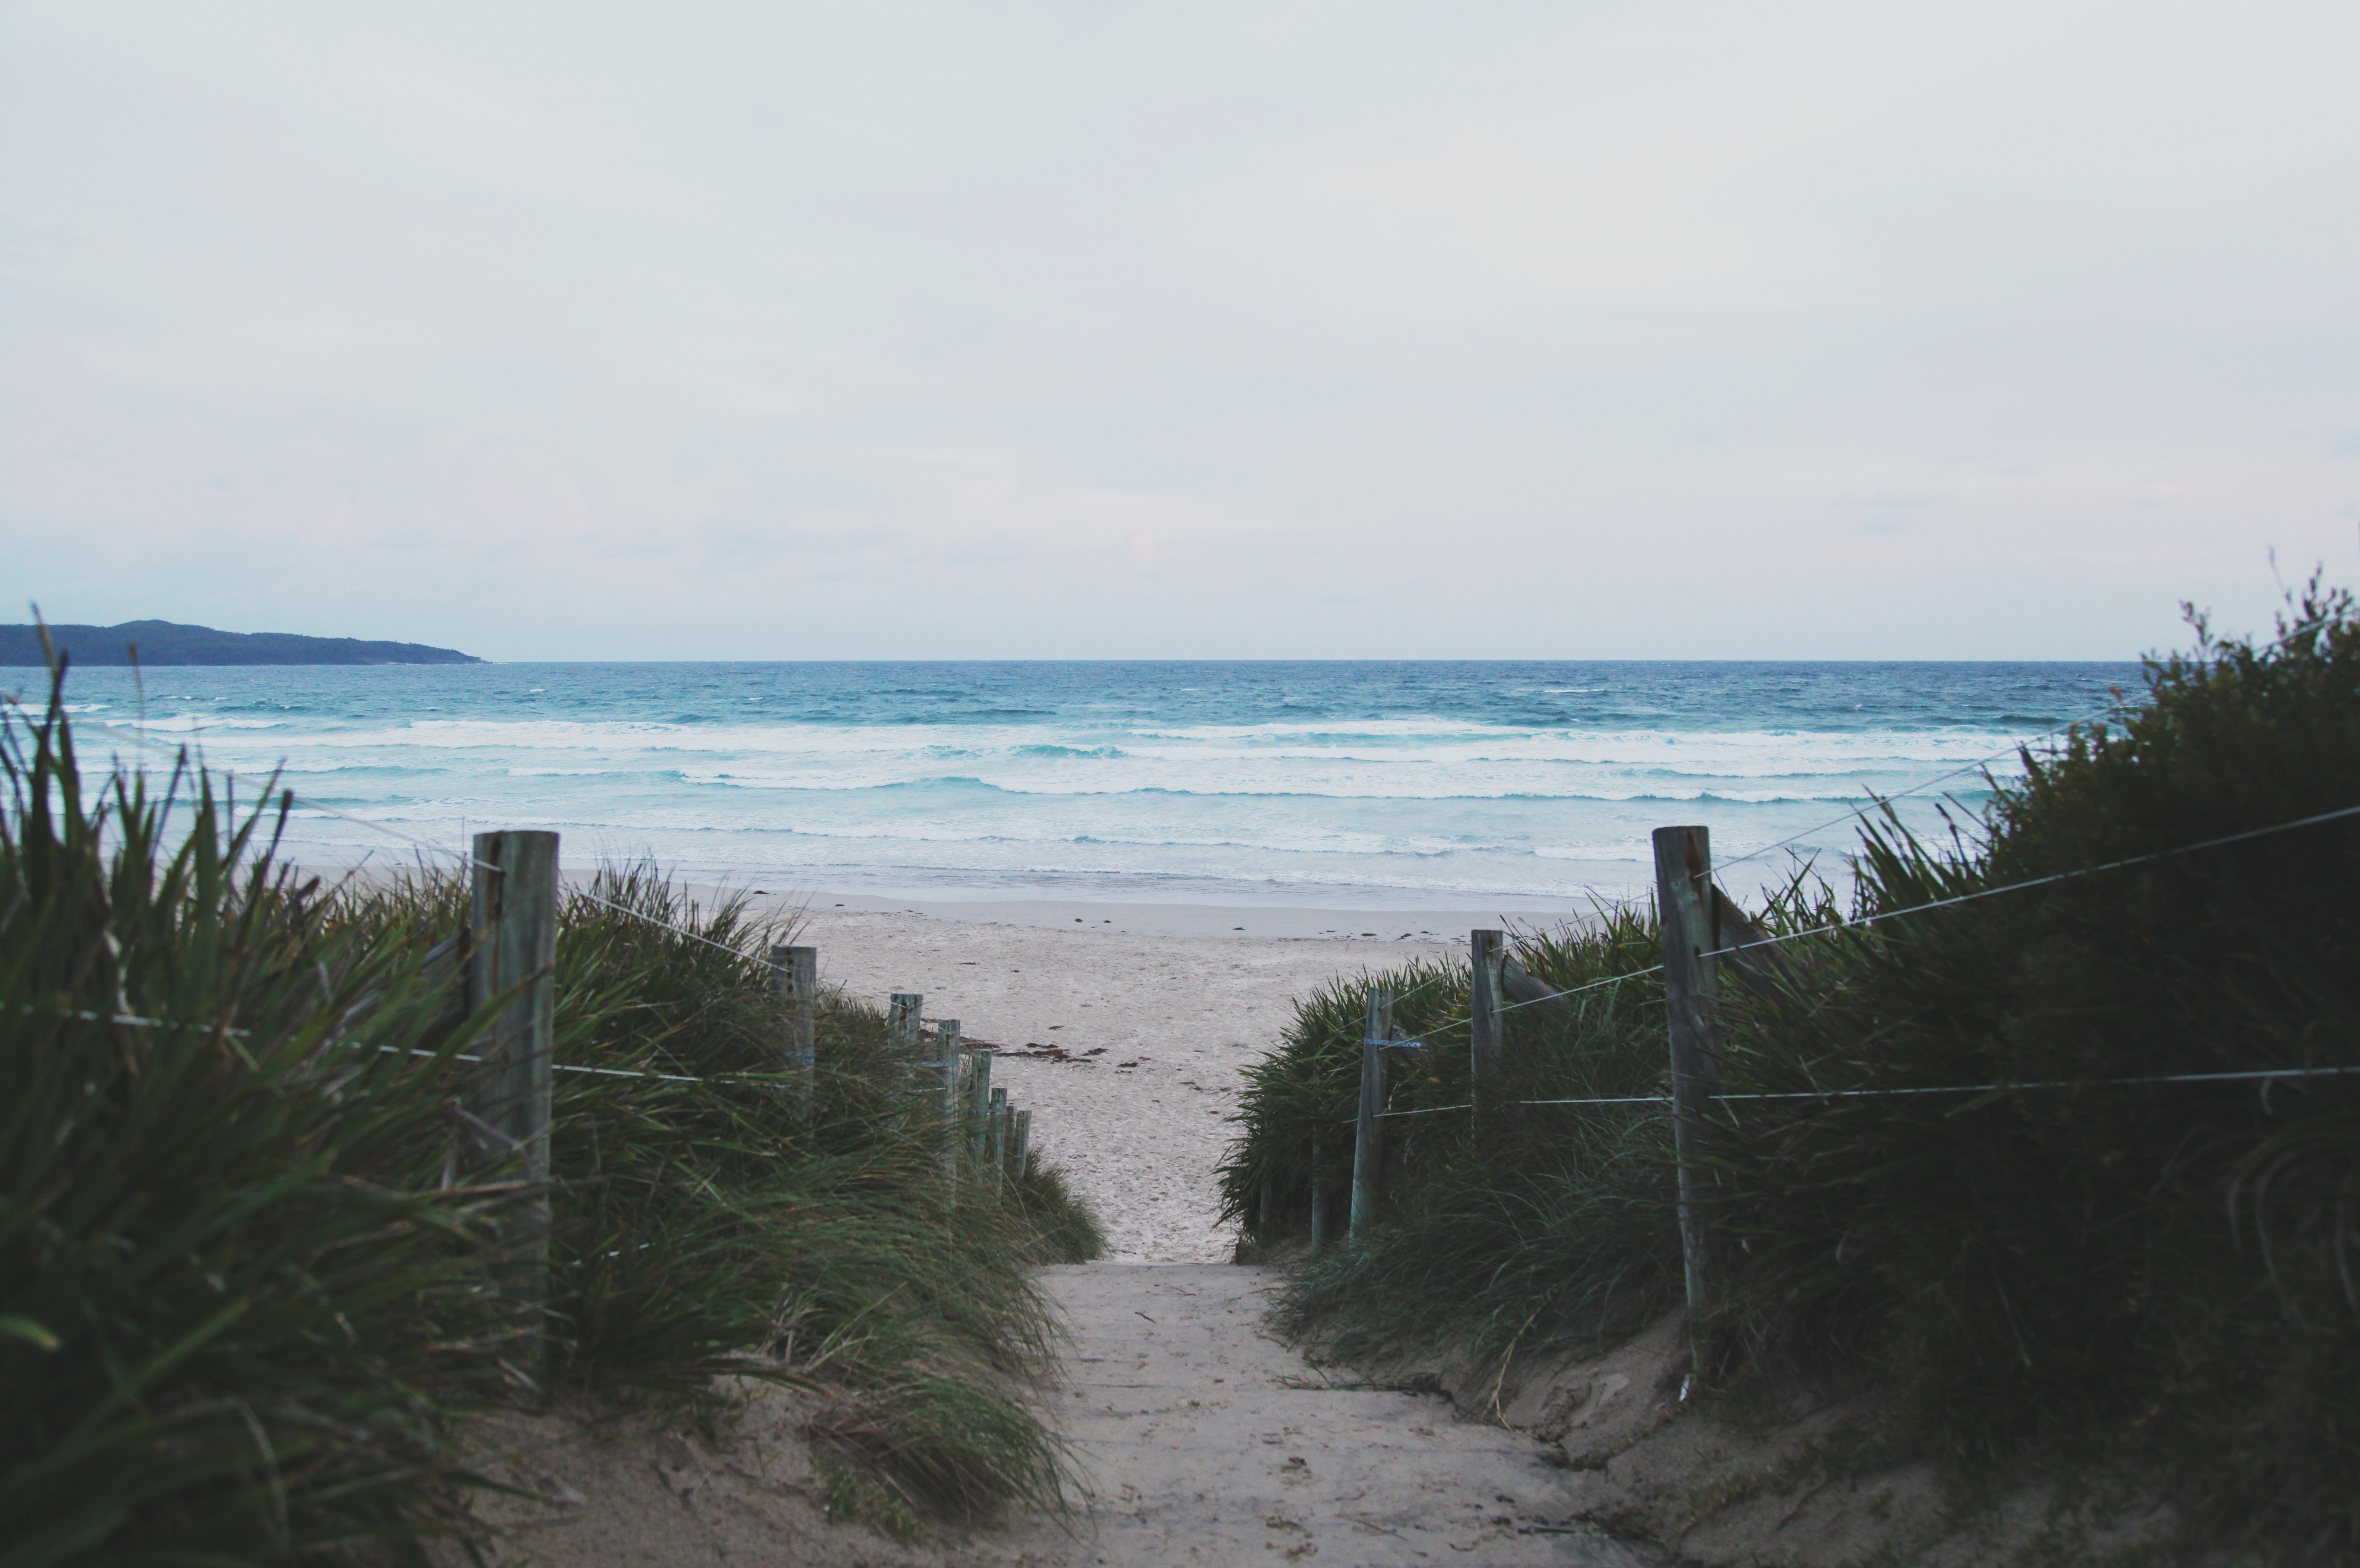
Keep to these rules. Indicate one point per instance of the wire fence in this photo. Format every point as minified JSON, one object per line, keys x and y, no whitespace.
{"x":467,"y":860}
{"x":1857,"y":922}
{"x":2092,"y":717}
{"x":288,"y":798}
{"x":2265,"y":1075}
{"x":134,"y":1020}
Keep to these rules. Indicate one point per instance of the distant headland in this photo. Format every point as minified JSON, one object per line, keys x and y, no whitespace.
{"x":168,"y":642}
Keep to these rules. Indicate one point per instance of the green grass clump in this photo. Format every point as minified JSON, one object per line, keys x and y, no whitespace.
{"x":1064,"y":1227}
{"x":237,"y":1299}
{"x":241,"y":1270}
{"x":1557,"y":1228}
{"x":2161,"y":1273}
{"x":2126,"y":1286}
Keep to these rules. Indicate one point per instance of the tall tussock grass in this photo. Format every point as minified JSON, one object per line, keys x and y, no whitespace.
{"x":2104,"y":1280}
{"x":241,"y":1275}
{"x":235,"y":1295}
{"x":2106,"y":1272}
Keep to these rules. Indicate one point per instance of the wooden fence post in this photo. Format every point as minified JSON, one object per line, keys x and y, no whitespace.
{"x":1023,"y":1144}
{"x":1684,"y":906}
{"x":901,"y":1018}
{"x":978,"y":1106}
{"x":1487,"y":958}
{"x":995,"y":1140}
{"x":1318,"y":1196}
{"x":512,"y":950}
{"x":1368,"y":1139}
{"x":795,"y":975}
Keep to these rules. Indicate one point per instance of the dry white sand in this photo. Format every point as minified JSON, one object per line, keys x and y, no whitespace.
{"x":1140,"y":1126}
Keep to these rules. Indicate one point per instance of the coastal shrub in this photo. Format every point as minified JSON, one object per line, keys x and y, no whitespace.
{"x":240,"y":1290}
{"x":2161,"y":1270}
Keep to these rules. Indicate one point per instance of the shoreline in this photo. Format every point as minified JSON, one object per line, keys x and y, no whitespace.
{"x":1440,"y":921}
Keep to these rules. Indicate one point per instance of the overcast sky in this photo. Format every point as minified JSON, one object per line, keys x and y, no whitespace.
{"x":789,"y":330}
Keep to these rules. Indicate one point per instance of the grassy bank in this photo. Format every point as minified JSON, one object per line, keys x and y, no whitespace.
{"x":2109,"y":1278}
{"x":240,"y":1271}
{"x":1556,"y":1225}
{"x":2099,"y":1272}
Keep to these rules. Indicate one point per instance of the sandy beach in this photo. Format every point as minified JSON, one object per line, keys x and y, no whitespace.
{"x":1173,"y":998}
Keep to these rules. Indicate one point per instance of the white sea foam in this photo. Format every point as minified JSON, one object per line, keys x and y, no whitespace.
{"x":190,"y":724}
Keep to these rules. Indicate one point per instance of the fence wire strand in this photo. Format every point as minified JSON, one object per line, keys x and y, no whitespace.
{"x":2039,"y":881}
{"x":465,"y":858}
{"x":2257,"y":1074}
{"x":2093,"y":718}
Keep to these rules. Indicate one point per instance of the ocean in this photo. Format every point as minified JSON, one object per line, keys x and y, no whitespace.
{"x":1530,"y":786}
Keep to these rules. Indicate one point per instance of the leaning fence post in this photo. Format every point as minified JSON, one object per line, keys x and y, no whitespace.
{"x":1487,"y":959}
{"x":1368,"y":1135}
{"x":512,"y":946}
{"x":1692,"y":995}
{"x":795,"y":975}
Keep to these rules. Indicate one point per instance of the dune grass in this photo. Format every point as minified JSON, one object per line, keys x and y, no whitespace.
{"x":2101,"y":1272}
{"x":2098,"y":1280}
{"x":1558,"y":1228}
{"x":240,"y":1275}
{"x":235,"y":1298}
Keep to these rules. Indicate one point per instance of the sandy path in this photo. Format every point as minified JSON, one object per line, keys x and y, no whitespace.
{"x":1200,"y":1441}
{"x":1204,"y":1441}
{"x":1140,"y":1126}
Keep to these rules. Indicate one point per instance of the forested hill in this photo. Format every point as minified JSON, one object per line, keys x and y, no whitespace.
{"x":168,"y":642}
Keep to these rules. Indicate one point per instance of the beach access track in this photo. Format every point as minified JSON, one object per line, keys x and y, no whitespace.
{"x":1203,"y":1440}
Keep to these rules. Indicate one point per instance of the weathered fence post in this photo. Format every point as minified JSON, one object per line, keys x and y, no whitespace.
{"x":901,"y":1018}
{"x":904,"y":1029}
{"x":1683,"y":905}
{"x":512,"y":949}
{"x":1318,"y":1195}
{"x":1368,"y":1139}
{"x":1487,"y":958}
{"x":978,"y":1107}
{"x":995,"y":1140}
{"x":795,"y":975}
{"x":1021,"y":1145}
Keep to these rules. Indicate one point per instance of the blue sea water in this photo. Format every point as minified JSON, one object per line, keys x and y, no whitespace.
{"x":1392,"y":784}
